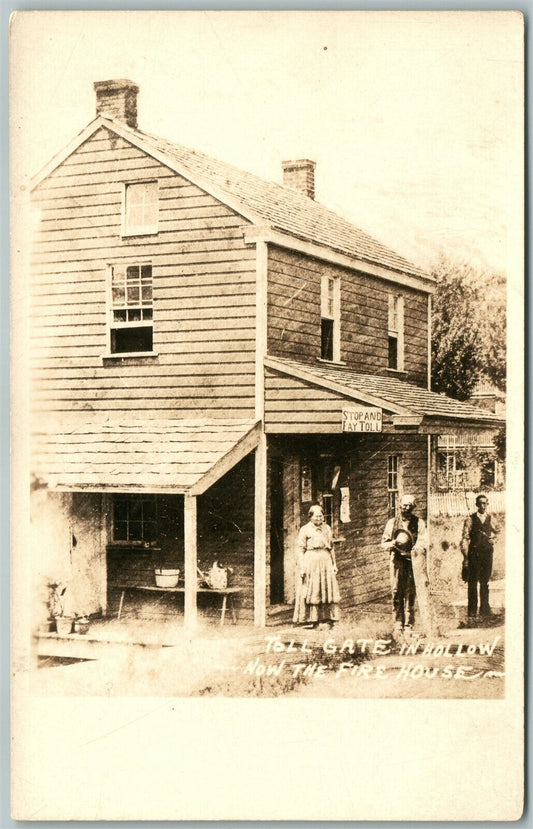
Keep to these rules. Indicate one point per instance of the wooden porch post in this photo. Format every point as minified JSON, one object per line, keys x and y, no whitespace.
{"x":190,"y":561}
{"x":428,"y":483}
{"x":260,"y":532}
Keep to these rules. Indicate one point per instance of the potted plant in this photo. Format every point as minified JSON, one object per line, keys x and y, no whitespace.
{"x":56,"y":605}
{"x":46,"y":619}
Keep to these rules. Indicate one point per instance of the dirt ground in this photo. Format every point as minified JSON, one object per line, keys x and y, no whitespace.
{"x":358,"y":659}
{"x":351,"y":661}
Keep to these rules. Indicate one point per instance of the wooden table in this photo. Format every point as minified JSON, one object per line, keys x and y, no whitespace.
{"x":226,"y":593}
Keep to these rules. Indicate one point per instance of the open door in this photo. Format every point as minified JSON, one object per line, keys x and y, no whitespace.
{"x":277,"y":593}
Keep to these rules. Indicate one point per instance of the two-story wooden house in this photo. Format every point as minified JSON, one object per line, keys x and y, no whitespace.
{"x":212,"y":353}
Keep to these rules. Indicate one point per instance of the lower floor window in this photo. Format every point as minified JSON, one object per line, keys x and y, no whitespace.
{"x":134,"y":518}
{"x":393,"y":483}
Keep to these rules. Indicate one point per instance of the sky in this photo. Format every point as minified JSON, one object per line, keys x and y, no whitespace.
{"x":413,"y":119}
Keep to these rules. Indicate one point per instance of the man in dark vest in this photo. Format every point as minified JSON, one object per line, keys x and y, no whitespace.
{"x":477,"y":547}
{"x":402,"y":534}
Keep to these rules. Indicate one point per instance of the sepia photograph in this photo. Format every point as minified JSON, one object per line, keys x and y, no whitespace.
{"x":267,"y":327}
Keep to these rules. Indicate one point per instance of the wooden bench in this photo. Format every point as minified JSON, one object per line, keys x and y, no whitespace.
{"x":226,"y":593}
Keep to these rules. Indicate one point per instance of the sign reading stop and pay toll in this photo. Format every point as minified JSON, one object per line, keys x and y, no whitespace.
{"x":362,"y":419}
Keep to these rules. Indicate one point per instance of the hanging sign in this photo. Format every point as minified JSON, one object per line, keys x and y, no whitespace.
{"x":306,"y":484}
{"x":345,"y":505}
{"x":362,"y":419}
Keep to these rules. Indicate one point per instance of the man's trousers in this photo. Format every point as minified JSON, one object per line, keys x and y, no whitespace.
{"x":479,"y":572}
{"x":403,"y":589}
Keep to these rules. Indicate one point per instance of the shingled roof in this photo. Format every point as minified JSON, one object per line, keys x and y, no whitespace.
{"x":395,"y":395}
{"x":284,"y":208}
{"x":279,"y":207}
{"x":169,"y":455}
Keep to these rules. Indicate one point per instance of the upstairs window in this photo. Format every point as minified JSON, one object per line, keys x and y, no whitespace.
{"x":330,"y":318}
{"x":131,"y":326}
{"x":141,"y":208}
{"x":395,"y":333}
{"x":134,"y":518}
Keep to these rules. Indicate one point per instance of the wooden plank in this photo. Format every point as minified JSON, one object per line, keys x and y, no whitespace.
{"x":111,"y":190}
{"x":104,"y":248}
{"x":179,"y":404}
{"x":171,"y":266}
{"x":68,"y":353}
{"x":171,"y":210}
{"x":315,"y":415}
{"x":199,"y":407}
{"x":193,"y":319}
{"x":88,"y":369}
{"x":321,"y":428}
{"x":98,"y":163}
{"x":217,"y":251}
{"x":211,"y":292}
{"x":80,"y":215}
{"x":110,"y":232}
{"x":278,"y":399}
{"x":234,"y":364}
{"x":93,"y":154}
{"x":191,"y":561}
{"x":223,"y":393}
{"x":212,"y":386}
{"x":83,"y":386}
{"x":260,"y":541}
{"x":139,"y":169}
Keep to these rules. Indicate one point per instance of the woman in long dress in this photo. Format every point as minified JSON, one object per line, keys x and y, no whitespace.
{"x":317,"y":590}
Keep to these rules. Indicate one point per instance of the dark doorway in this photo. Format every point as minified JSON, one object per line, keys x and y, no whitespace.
{"x":276,"y":532}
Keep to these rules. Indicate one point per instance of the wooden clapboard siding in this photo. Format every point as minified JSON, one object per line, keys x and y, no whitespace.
{"x":203,"y":288}
{"x":363,"y":566}
{"x":294,"y":315}
{"x":294,"y":406}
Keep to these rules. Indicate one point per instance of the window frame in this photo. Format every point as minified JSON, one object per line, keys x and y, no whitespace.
{"x":143,"y":229}
{"x":394,"y":483}
{"x":113,"y":324}
{"x":395,"y":331}
{"x":330,"y":311}
{"x":129,"y":498}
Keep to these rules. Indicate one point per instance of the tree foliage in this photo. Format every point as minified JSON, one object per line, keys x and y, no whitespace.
{"x":468,"y":329}
{"x":500,"y":442}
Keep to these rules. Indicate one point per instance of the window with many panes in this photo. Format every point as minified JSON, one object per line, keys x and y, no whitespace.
{"x":134,"y":518}
{"x":330,"y":318}
{"x":395,"y":333}
{"x":393,"y":483}
{"x":141,"y":208}
{"x":131,"y":313}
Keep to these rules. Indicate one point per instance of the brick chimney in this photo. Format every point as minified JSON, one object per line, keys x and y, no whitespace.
{"x":117,"y":100}
{"x":300,"y":175}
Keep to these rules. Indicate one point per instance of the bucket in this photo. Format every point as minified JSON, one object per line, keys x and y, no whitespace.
{"x":63,"y":625}
{"x":166,"y":578}
{"x":81,"y":626}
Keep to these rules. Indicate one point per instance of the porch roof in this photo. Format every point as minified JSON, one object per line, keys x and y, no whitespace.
{"x":171,"y":455}
{"x":408,"y":404}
